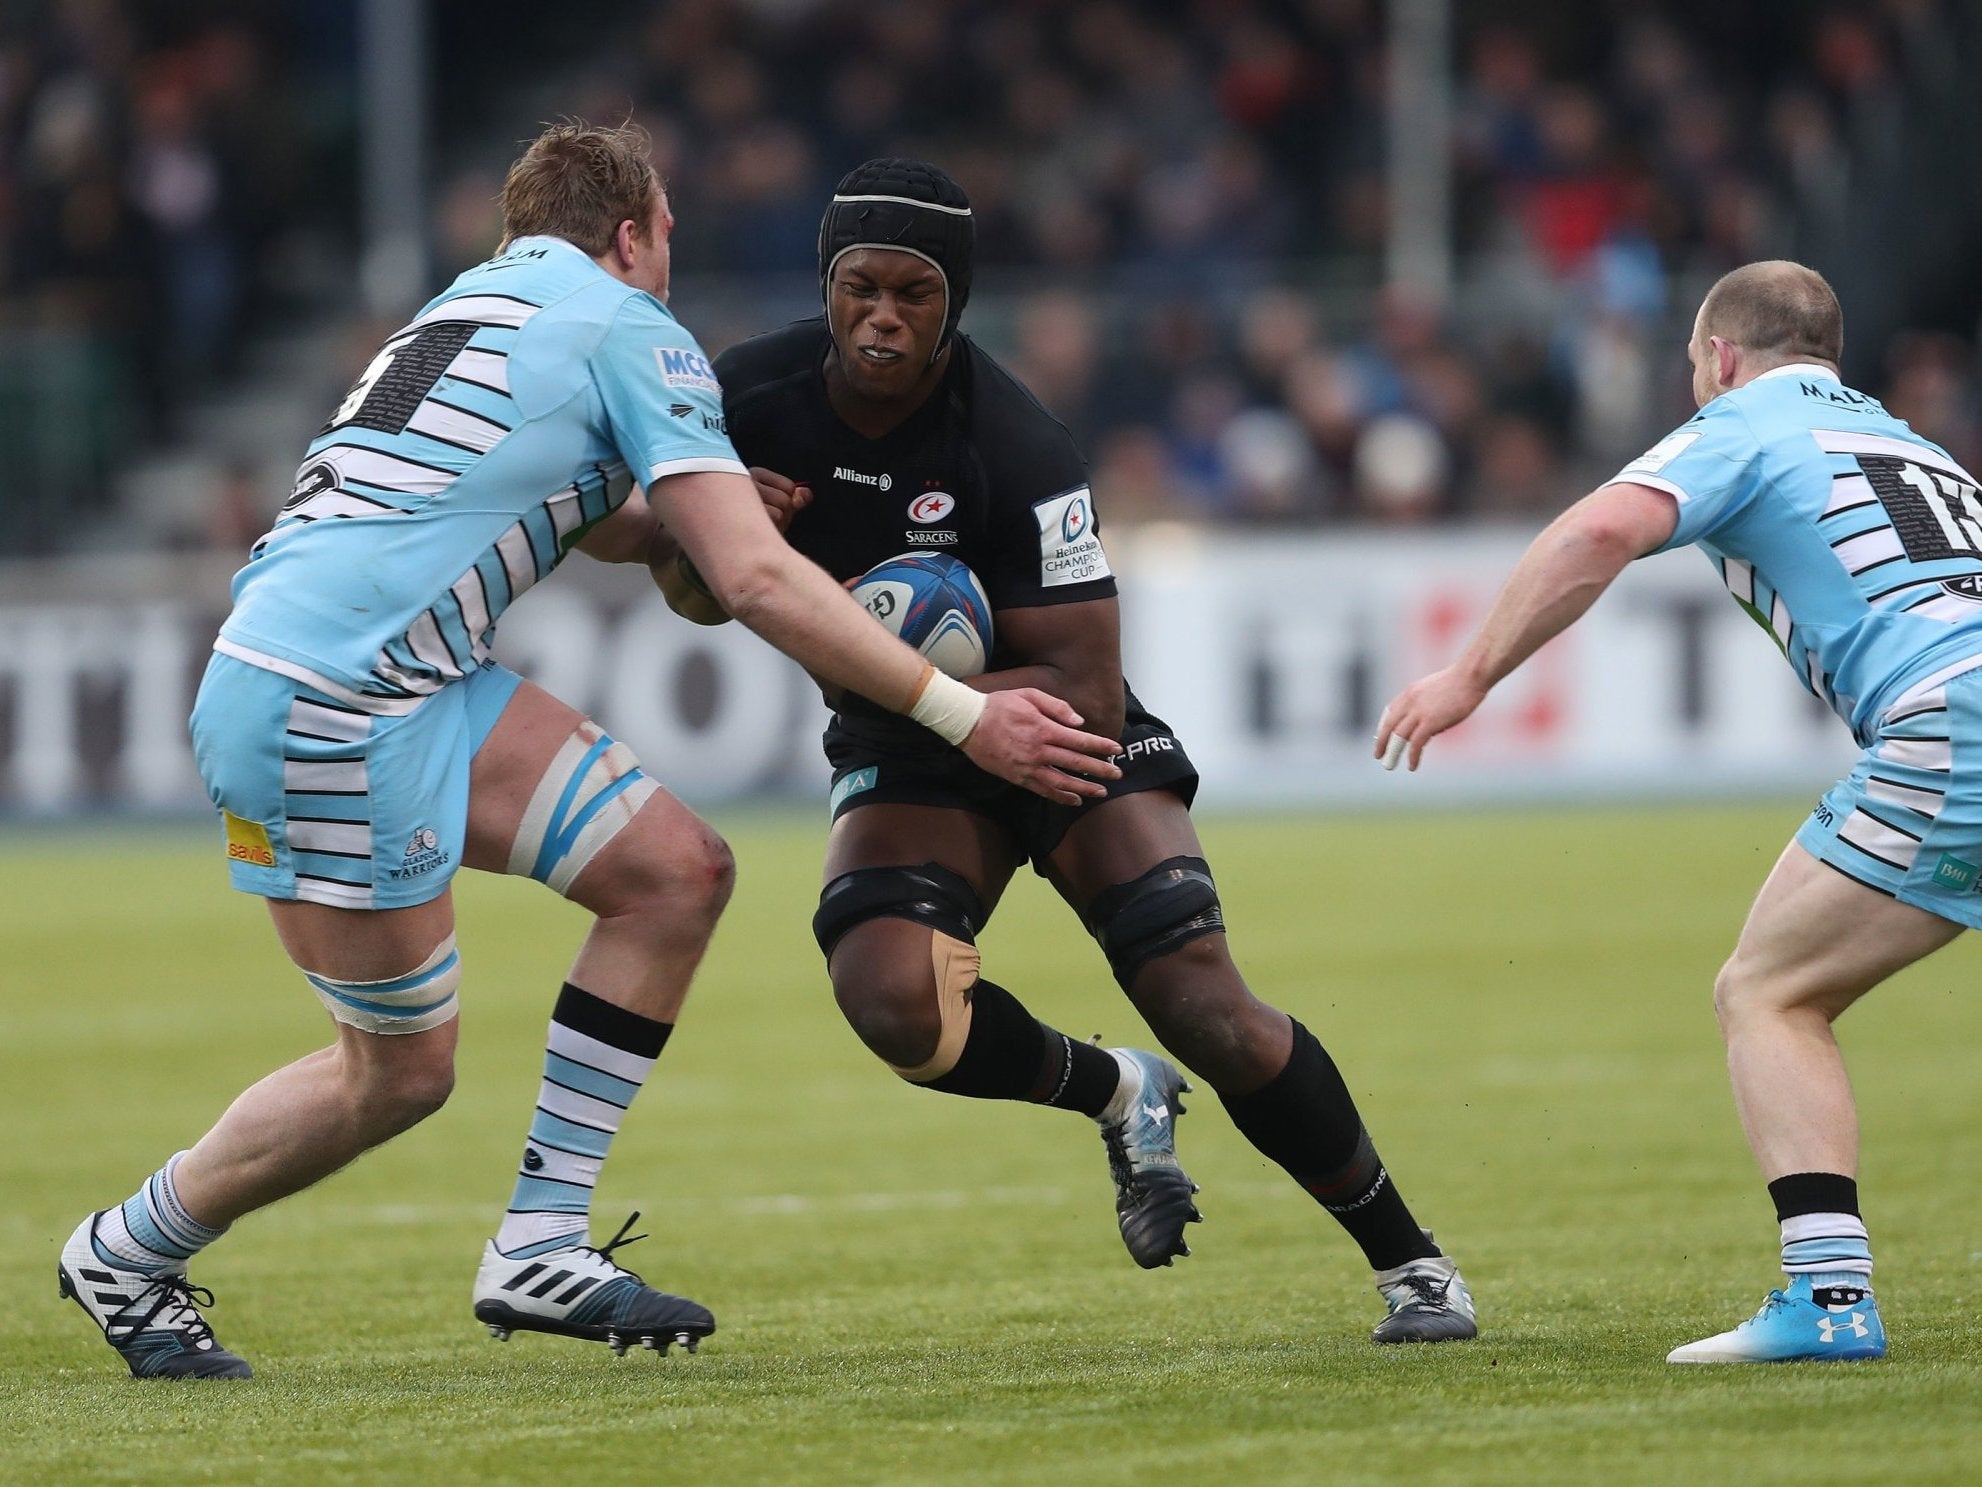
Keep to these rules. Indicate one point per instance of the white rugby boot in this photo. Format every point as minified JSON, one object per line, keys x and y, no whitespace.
{"x":582,"y":1292}
{"x":152,"y":1321}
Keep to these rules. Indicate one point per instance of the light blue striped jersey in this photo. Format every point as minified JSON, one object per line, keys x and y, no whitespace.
{"x":1854,"y":541}
{"x":482,"y":442}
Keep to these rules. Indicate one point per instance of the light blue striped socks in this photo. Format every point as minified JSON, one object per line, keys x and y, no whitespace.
{"x":151,"y":1230}
{"x":597,"y":1058}
{"x":1823,"y":1236}
{"x":1833,"y":1249}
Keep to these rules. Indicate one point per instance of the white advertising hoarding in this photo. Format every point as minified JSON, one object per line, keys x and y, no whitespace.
{"x":1270,"y":655}
{"x":1273,"y":658}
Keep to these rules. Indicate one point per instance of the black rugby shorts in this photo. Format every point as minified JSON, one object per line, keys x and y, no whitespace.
{"x":866,"y":771}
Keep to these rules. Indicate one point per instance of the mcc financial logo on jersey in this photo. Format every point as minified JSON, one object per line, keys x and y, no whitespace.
{"x":684,"y":368}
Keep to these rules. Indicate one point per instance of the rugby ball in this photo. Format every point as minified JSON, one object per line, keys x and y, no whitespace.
{"x":934,"y":603}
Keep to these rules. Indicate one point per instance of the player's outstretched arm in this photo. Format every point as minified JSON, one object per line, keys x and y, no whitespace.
{"x":1023,"y":736}
{"x":1560,"y":576}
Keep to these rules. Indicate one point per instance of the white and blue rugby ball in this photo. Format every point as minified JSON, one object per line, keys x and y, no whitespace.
{"x":934,"y":603}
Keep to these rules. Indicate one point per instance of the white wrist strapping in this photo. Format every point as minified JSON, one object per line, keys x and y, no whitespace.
{"x":948,"y":708}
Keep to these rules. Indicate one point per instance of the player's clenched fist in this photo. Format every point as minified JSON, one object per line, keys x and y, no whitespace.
{"x":782,"y":496}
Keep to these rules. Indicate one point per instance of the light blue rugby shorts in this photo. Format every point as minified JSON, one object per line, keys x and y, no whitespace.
{"x":1907,"y":821}
{"x":322,"y":802}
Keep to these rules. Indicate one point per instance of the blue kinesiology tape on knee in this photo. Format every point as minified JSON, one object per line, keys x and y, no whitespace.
{"x":590,"y":792}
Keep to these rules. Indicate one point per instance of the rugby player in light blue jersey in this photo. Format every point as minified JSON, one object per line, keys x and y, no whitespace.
{"x":362,"y":744}
{"x":1858,"y":544}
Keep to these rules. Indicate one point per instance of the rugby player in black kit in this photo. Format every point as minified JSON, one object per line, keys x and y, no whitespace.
{"x":879,"y":429}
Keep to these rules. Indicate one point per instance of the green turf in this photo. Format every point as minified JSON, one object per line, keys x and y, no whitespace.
{"x":920,"y":1290}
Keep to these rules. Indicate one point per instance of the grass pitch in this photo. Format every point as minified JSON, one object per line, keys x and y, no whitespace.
{"x":919,"y":1290}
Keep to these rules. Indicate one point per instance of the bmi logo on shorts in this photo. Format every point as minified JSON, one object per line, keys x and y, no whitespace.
{"x":1952,"y":872}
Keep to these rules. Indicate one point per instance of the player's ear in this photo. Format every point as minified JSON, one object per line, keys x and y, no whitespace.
{"x":625,"y":238}
{"x":1725,"y":356}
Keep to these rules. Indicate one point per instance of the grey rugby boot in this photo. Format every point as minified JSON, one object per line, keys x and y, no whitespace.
{"x":1428,"y":1302}
{"x":1152,"y":1194}
{"x":151,"y":1320}
{"x":581,"y":1292}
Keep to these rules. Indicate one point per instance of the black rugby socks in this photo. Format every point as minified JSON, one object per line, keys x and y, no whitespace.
{"x":1305,"y":1119}
{"x":1012,"y":1055}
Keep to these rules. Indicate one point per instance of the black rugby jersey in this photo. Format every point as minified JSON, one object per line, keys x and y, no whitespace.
{"x":980,"y":471}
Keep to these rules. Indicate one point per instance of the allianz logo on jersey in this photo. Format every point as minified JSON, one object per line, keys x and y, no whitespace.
{"x":881,"y":482}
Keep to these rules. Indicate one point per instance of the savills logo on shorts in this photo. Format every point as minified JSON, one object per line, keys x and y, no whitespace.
{"x":247,"y":841}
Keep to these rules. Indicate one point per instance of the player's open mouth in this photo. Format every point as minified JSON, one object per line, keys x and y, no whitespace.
{"x":880,"y":354}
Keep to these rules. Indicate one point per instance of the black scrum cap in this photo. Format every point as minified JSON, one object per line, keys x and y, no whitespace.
{"x":912,"y":207}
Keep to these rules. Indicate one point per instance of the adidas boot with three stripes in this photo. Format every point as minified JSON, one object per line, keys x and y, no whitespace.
{"x":153,"y":1321}
{"x":581,"y":1292}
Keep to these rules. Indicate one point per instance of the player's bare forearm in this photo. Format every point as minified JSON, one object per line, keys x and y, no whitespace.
{"x":1564,"y":571}
{"x":622,"y":537}
{"x":1561,"y":575}
{"x":679,"y":582}
{"x":1072,"y":651}
{"x":1551,"y":588}
{"x":794,"y":604}
{"x":1024,"y":737}
{"x":755,"y":576}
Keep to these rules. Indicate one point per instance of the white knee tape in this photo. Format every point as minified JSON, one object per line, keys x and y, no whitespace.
{"x":591,"y":790}
{"x":422,"y":998}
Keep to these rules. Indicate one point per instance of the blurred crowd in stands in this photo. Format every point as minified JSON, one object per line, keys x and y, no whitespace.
{"x":155,"y":161}
{"x":149,"y":164}
{"x":1181,"y":208}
